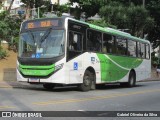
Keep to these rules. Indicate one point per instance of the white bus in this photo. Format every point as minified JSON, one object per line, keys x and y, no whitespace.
{"x":66,"y":51}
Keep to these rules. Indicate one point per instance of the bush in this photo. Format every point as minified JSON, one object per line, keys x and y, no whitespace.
{"x":3,"y":53}
{"x":13,"y":44}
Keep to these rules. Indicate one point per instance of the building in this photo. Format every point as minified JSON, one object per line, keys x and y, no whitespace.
{"x":60,"y":2}
{"x":16,"y":7}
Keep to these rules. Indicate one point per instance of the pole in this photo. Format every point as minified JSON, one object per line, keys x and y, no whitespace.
{"x":51,"y":7}
{"x":144,"y":3}
{"x":33,"y":13}
{"x":159,"y":55}
{"x":38,"y":12}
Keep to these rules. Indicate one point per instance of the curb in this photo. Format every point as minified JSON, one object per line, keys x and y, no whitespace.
{"x":14,"y":84}
{"x":151,"y":79}
{"x":9,"y":84}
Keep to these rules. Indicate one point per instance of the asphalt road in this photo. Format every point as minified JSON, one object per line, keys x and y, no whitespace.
{"x":144,"y":97}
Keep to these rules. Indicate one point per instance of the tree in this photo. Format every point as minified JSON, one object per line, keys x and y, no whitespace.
{"x":9,"y":28}
{"x":10,"y":6}
{"x":89,"y":7}
{"x":154,"y":7}
{"x":30,"y":4}
{"x":138,"y":19}
{"x":134,"y":18}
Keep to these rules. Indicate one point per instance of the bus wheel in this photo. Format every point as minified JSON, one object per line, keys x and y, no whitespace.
{"x":131,"y":80}
{"x":87,"y":81}
{"x":48,"y":86}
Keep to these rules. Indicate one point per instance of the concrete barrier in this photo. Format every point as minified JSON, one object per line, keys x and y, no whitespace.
{"x":9,"y":74}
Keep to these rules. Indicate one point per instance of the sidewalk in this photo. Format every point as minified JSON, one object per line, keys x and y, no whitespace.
{"x":15,"y":84}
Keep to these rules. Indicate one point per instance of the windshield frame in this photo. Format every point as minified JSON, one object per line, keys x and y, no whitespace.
{"x":31,"y":31}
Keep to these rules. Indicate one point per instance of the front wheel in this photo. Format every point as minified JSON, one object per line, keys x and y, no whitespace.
{"x":87,"y":82}
{"x":48,"y":86}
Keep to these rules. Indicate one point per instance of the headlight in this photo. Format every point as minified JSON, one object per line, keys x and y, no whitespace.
{"x":58,"y":67}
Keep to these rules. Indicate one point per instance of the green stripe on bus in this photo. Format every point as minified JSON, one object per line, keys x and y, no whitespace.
{"x":127,"y":62}
{"x":37,"y":67}
{"x":37,"y":70}
{"x":116,"y":67}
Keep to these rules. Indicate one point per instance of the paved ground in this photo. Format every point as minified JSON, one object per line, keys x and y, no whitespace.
{"x":144,"y":97}
{"x":15,"y":84}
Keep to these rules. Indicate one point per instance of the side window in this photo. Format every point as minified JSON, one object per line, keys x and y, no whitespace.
{"x":138,"y":49}
{"x":121,"y":46}
{"x":132,"y":48}
{"x":147,"y":51}
{"x":75,"y":41}
{"x":94,"y":40}
{"x":108,"y":44}
{"x":141,"y":50}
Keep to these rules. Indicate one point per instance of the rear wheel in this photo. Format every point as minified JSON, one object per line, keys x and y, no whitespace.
{"x":131,"y":80}
{"x":48,"y":86}
{"x":87,"y":81}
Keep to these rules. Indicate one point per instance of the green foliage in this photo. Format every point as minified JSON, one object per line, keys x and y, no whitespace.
{"x":90,"y":7}
{"x":9,"y":28}
{"x":154,"y":60}
{"x":101,"y":23}
{"x":138,"y":18}
{"x":3,"y":53}
{"x":135,"y":18}
{"x":114,"y":14}
{"x":13,"y":44}
{"x":38,"y":3}
{"x":154,"y":7}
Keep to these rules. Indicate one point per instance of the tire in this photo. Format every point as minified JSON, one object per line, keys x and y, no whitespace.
{"x":48,"y":86}
{"x":87,"y":82}
{"x":131,"y":80}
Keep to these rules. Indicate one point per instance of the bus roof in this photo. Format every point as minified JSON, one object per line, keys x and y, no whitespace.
{"x":111,"y":31}
{"x":106,"y":30}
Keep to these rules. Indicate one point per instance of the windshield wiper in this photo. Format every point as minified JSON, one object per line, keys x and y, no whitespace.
{"x":31,"y":35}
{"x":46,"y":34}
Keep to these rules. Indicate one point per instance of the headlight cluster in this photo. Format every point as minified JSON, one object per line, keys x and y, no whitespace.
{"x":58,"y":67}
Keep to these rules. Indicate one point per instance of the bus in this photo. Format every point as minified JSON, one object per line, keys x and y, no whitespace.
{"x":65,"y":51}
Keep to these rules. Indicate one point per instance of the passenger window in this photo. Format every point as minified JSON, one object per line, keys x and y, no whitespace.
{"x":94,"y":41}
{"x":75,"y":41}
{"x":132,"y":48}
{"x":108,"y":44}
{"x":121,"y":46}
{"x":147,"y":51}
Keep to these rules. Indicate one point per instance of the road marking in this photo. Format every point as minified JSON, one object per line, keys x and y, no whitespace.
{"x":93,"y":98}
{"x":5,"y":107}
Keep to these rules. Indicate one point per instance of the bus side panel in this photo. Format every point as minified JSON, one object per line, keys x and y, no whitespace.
{"x":75,"y":69}
{"x":141,"y":71}
{"x":92,"y":60}
{"x":78,"y":66}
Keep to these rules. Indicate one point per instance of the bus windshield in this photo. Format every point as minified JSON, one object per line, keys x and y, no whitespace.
{"x":41,"y":44}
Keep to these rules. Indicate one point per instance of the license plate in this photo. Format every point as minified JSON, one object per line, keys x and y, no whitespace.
{"x":34,"y":80}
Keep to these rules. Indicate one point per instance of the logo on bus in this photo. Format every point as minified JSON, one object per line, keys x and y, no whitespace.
{"x":75,"y":66}
{"x":93,"y":60}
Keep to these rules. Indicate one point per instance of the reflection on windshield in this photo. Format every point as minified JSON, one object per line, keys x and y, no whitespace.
{"x":41,"y":44}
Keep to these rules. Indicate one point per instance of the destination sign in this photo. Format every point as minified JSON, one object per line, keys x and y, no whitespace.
{"x":42,"y":24}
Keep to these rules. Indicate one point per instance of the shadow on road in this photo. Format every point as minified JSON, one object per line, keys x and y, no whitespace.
{"x":39,"y":87}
